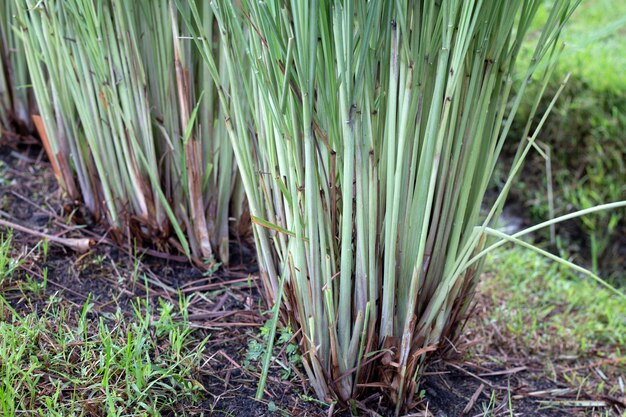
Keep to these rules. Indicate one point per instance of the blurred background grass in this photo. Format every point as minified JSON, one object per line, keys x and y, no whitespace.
{"x":586,"y":134}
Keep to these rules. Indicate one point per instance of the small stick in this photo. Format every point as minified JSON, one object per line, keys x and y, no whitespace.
{"x":472,"y":400}
{"x":505,"y":372}
{"x":80,"y":245}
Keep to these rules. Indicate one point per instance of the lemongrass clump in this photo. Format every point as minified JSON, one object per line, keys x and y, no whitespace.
{"x":130,"y":121}
{"x":16,"y":104}
{"x":366,"y":133}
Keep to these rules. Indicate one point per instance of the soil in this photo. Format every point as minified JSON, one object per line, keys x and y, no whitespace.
{"x":226,"y":305}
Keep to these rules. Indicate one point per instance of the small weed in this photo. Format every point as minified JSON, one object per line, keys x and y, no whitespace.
{"x":273,"y":408}
{"x":284,"y":344}
{"x":488,"y":408}
{"x":212,"y":267}
{"x":34,"y":286}
{"x":8,"y":264}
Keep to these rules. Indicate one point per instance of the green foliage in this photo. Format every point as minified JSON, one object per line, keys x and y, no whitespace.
{"x":549,"y":310}
{"x":284,"y":343}
{"x":7,"y":263}
{"x":586,"y":133}
{"x":59,"y":362}
{"x":595,"y":50}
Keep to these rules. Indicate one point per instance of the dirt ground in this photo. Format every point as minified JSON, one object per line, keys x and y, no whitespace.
{"x":227,"y":306}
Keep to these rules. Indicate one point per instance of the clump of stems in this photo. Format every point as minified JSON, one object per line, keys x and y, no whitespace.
{"x":366,"y":133}
{"x":16,"y":103}
{"x":129,"y":118}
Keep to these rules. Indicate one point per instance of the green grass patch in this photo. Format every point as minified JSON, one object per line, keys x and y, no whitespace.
{"x":61,"y":361}
{"x":548,"y":310}
{"x":595,"y":48}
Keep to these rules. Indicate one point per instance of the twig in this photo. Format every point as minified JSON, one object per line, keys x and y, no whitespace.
{"x":484,"y":381}
{"x":505,"y":372}
{"x":473,"y":399}
{"x":80,"y":245}
{"x":609,"y":361}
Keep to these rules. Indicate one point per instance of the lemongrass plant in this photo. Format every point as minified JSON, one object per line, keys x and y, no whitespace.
{"x":16,"y":104}
{"x":130,"y":121}
{"x":366,"y":133}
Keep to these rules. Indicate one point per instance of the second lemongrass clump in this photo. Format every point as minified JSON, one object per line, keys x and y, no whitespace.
{"x":366,"y":133}
{"x":129,"y":119}
{"x":16,"y":103}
